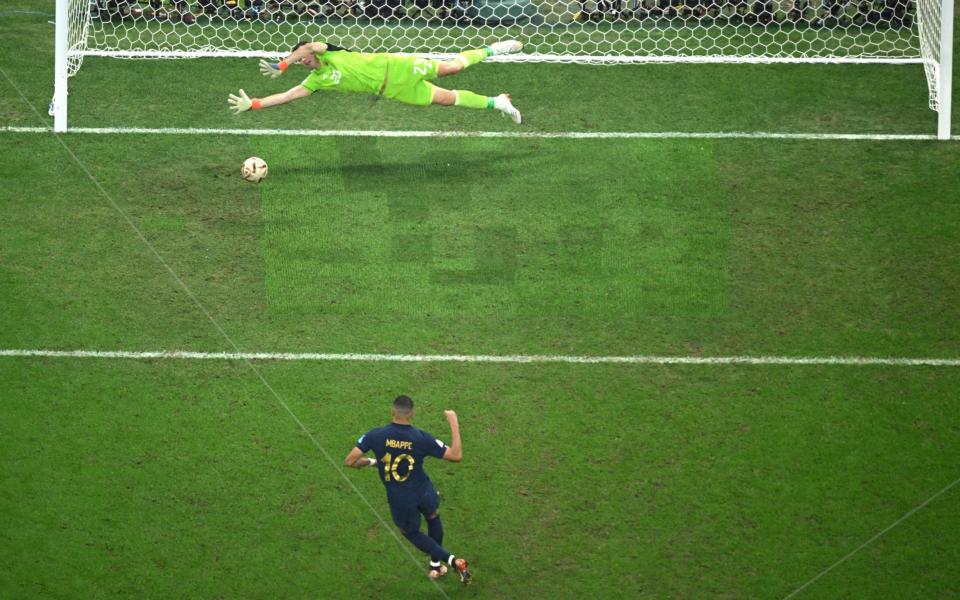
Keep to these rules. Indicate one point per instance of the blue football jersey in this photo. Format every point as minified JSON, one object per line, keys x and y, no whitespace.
{"x":400,"y":452}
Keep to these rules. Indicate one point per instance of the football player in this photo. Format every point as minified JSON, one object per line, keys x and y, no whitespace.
{"x":400,"y":450}
{"x":402,"y":77}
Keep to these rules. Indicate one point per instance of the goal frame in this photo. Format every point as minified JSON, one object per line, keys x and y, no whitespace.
{"x":943,"y":69}
{"x":945,"y":78}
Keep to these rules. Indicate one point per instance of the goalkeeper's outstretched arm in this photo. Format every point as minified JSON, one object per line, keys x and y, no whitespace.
{"x":241,"y":103}
{"x":304,"y":50}
{"x":304,"y":53}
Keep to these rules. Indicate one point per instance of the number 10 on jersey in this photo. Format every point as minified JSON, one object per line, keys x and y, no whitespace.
{"x":390,"y":465}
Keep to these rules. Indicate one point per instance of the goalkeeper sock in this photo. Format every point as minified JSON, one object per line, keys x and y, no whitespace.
{"x":472,"y":57}
{"x":471,"y":100}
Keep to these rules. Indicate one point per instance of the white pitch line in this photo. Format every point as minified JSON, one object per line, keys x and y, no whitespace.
{"x":487,"y":134}
{"x":873,"y":539}
{"x":488,"y":358}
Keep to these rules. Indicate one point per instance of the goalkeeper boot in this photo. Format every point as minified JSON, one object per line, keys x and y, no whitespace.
{"x":506,"y":47}
{"x":460,"y":564}
{"x":503,"y":104}
{"x":436,"y":571}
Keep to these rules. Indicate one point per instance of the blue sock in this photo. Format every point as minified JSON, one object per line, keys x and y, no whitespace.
{"x":435,"y":530}
{"x":427,"y":545}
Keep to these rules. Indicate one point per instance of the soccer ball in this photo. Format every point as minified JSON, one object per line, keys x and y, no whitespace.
{"x":254,"y":169}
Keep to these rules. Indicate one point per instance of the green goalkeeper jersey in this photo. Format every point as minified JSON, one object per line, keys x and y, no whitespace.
{"x":346,"y":71}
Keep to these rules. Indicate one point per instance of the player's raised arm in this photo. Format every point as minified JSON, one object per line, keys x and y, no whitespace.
{"x":300,"y":52}
{"x":241,"y":103}
{"x":454,"y":452}
{"x":304,"y":50}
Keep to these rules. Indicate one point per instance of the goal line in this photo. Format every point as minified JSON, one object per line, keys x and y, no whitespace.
{"x":491,"y":358}
{"x":590,"y":135}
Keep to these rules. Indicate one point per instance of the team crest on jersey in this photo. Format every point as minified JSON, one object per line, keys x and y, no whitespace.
{"x":333,"y":76}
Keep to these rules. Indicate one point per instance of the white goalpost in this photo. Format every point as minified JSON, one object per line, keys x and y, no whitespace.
{"x":585,"y":31}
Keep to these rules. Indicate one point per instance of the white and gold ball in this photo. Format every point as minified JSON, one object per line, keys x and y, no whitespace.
{"x":254,"y":169}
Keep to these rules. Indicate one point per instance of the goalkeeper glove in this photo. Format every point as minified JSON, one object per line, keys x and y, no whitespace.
{"x":240,"y":103}
{"x":272,"y":70}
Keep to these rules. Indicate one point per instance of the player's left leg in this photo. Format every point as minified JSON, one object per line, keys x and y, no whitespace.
{"x":435,"y":531}
{"x":429,"y":507}
{"x":409,"y":86}
{"x":472,"y":57}
{"x":407,"y":519}
{"x":468,"y":99}
{"x":435,"y":527}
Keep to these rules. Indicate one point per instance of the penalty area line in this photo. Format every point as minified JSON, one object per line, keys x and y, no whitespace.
{"x":487,"y":358}
{"x":590,"y":135}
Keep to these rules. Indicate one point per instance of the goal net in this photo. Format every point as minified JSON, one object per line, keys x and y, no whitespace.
{"x":583,"y":31}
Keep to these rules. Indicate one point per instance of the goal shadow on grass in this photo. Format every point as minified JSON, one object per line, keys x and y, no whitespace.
{"x":405,"y":172}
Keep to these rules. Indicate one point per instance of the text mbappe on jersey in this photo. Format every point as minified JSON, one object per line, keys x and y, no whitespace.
{"x":399,"y":444}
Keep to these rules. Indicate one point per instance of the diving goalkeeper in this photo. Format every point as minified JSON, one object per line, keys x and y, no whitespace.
{"x":397,"y":76}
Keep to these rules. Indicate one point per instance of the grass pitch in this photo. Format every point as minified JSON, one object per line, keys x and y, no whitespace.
{"x":169,"y":478}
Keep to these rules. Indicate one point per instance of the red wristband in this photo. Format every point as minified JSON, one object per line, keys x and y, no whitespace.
{"x":282,"y":65}
{"x":255,"y":105}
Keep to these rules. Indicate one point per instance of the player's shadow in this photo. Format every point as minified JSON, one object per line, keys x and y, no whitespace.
{"x":435,"y":170}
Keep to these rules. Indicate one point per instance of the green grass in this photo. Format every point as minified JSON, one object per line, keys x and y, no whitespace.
{"x":180,"y":478}
{"x":166,"y":479}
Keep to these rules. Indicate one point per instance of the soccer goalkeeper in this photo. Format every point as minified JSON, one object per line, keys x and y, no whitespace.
{"x":398,"y":76}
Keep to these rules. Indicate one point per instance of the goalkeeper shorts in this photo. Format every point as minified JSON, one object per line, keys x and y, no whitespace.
{"x":408,"y":79}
